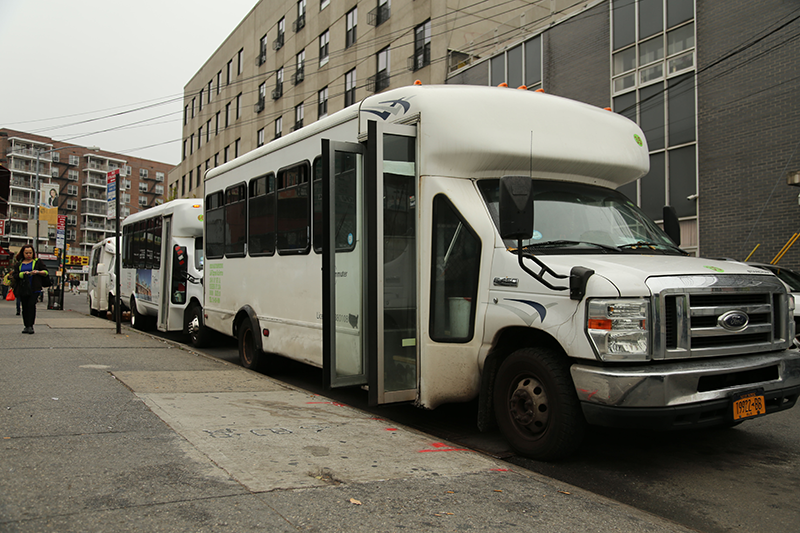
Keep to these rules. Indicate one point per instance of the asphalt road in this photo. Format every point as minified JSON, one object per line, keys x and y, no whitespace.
{"x":741,"y":479}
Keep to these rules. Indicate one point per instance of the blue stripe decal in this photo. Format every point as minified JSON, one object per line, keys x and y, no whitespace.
{"x":537,"y":306}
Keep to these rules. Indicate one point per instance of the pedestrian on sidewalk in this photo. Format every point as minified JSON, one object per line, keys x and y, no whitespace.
{"x":28,"y":273}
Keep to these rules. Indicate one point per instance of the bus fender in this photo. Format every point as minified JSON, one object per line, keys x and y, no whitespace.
{"x":247,"y":313}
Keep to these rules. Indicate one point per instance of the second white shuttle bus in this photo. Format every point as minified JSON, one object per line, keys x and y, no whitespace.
{"x":162,"y":268}
{"x":376,"y":244}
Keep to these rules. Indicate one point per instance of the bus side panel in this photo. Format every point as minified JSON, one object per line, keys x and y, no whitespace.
{"x":449,"y":370}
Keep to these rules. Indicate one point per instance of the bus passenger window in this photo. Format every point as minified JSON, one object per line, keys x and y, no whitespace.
{"x":261,"y":216}
{"x":293,"y":209}
{"x":454,"y":279}
{"x":316,"y":190}
{"x":235,"y":221}
{"x":215,"y":226}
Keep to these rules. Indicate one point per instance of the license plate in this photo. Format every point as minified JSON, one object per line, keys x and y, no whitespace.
{"x":749,"y":404}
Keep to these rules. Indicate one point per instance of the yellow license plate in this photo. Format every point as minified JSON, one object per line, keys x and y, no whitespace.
{"x":748,"y":405}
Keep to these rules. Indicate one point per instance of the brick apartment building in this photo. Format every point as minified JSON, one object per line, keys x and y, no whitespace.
{"x":80,"y":176}
{"x":712,"y":84}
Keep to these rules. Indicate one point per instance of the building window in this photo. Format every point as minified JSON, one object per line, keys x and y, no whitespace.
{"x":229,"y":73}
{"x":208,"y":131}
{"x":298,"y":116}
{"x":380,"y":14}
{"x":239,"y":62}
{"x":238,"y":106}
{"x":142,"y":201}
{"x":191,"y":144}
{"x":74,"y":160}
{"x":350,"y":25}
{"x":262,"y":97}
{"x":299,"y":73}
{"x":216,"y":124}
{"x":323,"y":4}
{"x":236,"y":144}
{"x":72,"y":205}
{"x":73,"y":175}
{"x":193,"y":104}
{"x":278,"y":127}
{"x":277,"y":92}
{"x":143,"y":173}
{"x":199,"y":176}
{"x":228,"y":114}
{"x":324,"y":40}
{"x":322,"y":108}
{"x":210,"y":86}
{"x":262,"y":52}
{"x":278,"y":43}
{"x":300,"y":23}
{"x":199,"y":137}
{"x":72,"y":189}
{"x":350,"y":88}
{"x":260,"y":137}
{"x":226,"y":153}
{"x":381,"y":79}
{"x":653,"y":61}
{"x":200,"y":99}
{"x":159,"y":176}
{"x":159,"y":189}
{"x":422,"y":45}
{"x":142,"y":187}
{"x":219,"y":81}
{"x":186,"y":115}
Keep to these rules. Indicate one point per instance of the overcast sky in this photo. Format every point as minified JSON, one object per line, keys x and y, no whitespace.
{"x":70,"y":64}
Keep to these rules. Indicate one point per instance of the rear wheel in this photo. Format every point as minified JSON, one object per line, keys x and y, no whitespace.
{"x":199,"y":334}
{"x":536,"y":406}
{"x":140,"y":321}
{"x":249,"y":354}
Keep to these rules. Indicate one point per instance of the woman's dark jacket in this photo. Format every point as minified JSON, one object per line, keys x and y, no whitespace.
{"x":21,"y":285}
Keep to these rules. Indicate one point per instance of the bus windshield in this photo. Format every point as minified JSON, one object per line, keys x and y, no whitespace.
{"x":572,"y":216}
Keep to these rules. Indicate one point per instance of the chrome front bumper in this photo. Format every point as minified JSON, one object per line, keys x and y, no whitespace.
{"x":685,"y":382}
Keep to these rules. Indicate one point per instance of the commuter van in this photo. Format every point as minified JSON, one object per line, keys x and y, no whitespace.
{"x":162,"y":268}
{"x":101,"y":285}
{"x":438,"y":244}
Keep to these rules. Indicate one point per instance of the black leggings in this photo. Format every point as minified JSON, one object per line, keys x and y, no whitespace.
{"x":29,"y":309}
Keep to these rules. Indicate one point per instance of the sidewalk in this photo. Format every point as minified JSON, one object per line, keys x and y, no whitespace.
{"x":106,"y":432}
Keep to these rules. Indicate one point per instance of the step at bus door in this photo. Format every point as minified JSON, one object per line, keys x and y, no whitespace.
{"x":391,"y":177}
{"x":344,"y":326}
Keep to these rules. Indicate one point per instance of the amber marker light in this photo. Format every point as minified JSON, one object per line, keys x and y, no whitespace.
{"x":600,"y":323}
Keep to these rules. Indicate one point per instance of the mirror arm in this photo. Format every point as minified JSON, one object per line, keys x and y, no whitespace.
{"x":578,"y":277}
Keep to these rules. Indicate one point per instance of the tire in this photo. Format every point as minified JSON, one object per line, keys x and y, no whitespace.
{"x":249,"y":355}
{"x":138,"y":320}
{"x":199,"y":334}
{"x":535,"y":404}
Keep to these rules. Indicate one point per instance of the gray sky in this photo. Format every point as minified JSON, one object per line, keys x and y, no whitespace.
{"x":72,"y":61}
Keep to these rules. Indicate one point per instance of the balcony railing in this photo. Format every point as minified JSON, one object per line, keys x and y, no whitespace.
{"x":378,"y":82}
{"x":259,"y":107}
{"x":298,"y":76}
{"x":421,"y":58}
{"x":92,"y":180}
{"x":300,"y":23}
{"x":379,"y":15}
{"x":298,"y":125}
{"x":261,"y":58}
{"x":277,"y":92}
{"x":277,"y":44}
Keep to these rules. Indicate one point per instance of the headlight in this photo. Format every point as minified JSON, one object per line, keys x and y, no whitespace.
{"x":618,"y":329}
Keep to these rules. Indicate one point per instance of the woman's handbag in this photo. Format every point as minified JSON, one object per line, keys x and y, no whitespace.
{"x":10,"y":296}
{"x":47,"y":282}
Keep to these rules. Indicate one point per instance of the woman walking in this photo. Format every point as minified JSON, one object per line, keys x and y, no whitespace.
{"x":29,"y":273}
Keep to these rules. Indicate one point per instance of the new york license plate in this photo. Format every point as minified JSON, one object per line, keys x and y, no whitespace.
{"x":749,"y":404}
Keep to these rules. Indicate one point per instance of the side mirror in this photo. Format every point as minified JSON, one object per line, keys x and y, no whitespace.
{"x":672,"y":227}
{"x":516,"y":207}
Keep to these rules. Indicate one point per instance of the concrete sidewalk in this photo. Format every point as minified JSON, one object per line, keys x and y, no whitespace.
{"x":107,"y":432}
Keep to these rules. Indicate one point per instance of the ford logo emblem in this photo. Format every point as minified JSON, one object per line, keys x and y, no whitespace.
{"x":734,"y":320}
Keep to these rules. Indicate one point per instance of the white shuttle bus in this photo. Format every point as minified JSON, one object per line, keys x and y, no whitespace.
{"x":162,"y":268}
{"x":381,"y":244}
{"x":101,"y":285}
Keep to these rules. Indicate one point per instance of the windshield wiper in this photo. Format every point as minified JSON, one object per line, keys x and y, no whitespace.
{"x":650,"y":245}
{"x":549,"y":244}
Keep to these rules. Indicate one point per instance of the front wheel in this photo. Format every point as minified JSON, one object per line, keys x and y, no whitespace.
{"x":249,"y":354}
{"x":199,"y":334}
{"x":535,"y":404}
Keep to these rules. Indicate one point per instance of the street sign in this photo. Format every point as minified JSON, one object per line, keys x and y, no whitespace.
{"x":112,"y":177}
{"x":2,"y":227}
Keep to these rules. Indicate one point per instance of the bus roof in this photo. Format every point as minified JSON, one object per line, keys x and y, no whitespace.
{"x":474,"y":131}
{"x":187,"y":216}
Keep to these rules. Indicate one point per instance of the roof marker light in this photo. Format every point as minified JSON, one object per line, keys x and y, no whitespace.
{"x":540,"y":90}
{"x":504,"y":84}
{"x":607,"y":108}
{"x":417,"y":82}
{"x":523,"y":87}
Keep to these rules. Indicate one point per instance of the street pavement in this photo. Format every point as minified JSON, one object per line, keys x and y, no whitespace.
{"x":111,"y":432}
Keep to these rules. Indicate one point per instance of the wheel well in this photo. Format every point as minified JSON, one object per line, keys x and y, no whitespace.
{"x":506,"y":342}
{"x":247,"y":313}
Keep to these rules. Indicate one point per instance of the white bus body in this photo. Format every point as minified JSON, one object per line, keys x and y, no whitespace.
{"x":162,"y":267}
{"x":368,"y":244}
{"x":101,"y":285}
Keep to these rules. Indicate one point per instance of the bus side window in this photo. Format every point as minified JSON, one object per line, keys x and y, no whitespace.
{"x":454,"y":277}
{"x":293,"y":209}
{"x":316,"y":190}
{"x":261,"y":216}
{"x":157,"y":243}
{"x":215,"y":226}
{"x":235,"y":221}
